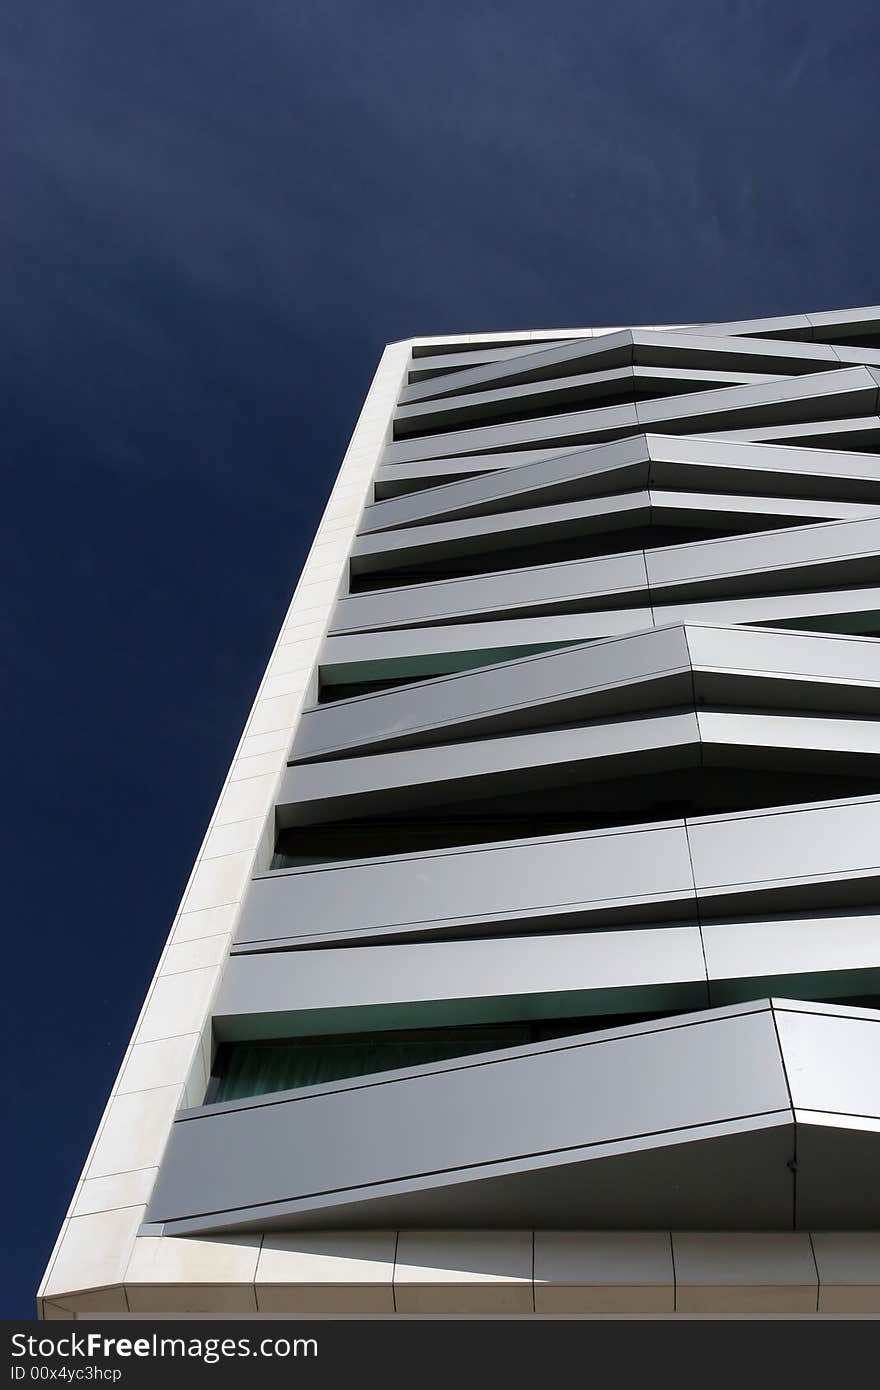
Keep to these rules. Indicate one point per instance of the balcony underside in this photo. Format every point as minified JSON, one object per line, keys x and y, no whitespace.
{"x":763,"y":1116}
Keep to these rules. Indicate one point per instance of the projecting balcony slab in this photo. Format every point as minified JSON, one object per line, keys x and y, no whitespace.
{"x":814,"y":856}
{"x":441,"y":984}
{"x":551,"y":882}
{"x":457,"y":409}
{"x":663,"y":461}
{"x":573,"y":768}
{"x":684,"y":1123}
{"x":657,"y":669}
{"x":830,"y":554}
{"x":643,"y":347}
{"x":479,"y":544}
{"x":821,"y":395}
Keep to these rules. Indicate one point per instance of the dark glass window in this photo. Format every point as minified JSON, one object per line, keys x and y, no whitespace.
{"x":259,"y":1068}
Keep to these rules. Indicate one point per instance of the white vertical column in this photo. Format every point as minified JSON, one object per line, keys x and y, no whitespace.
{"x":167,"y":1061}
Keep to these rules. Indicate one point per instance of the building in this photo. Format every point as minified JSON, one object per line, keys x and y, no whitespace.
{"x":531,"y":961}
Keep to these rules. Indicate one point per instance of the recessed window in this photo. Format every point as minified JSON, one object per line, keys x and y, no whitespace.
{"x":245,"y":1069}
{"x":259,"y":1068}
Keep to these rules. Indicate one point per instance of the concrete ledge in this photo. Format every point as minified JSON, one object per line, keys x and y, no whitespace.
{"x":604,"y":1272}
{"x":463,"y":1272}
{"x":489,"y":1274}
{"x":333,"y":1272}
{"x":744,"y":1272}
{"x":848,"y":1264}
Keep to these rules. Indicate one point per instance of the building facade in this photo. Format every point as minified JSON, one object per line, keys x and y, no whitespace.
{"x":530,"y":964}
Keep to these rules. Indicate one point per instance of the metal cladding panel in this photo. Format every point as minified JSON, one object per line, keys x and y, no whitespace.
{"x":715,"y":1177}
{"x":830,"y":1056}
{"x":860,"y":432}
{"x":828,"y":544}
{"x":821,"y":955}
{"x":506,"y":1108}
{"x":528,"y":693}
{"x":578,"y":584}
{"x":639,"y":461}
{"x":757,"y":466}
{"x":424,"y":651}
{"x":538,"y":364}
{"x":826,"y":658}
{"x":821,"y":609}
{"x":491,"y":483}
{"x":581,"y":473}
{"x":762,"y":354}
{"x":482,"y":536}
{"x":418,"y":778}
{"x":645,"y":347}
{"x":815,"y":842}
{"x":521,"y":882}
{"x":846,"y":551}
{"x":397,"y":479}
{"x":286,"y":993}
{"x":483,"y":540}
{"x":822,"y":394}
{"x":596,"y":387}
{"x":427,"y":365}
{"x":831,"y":1061}
{"x":578,"y":427}
{"x":595,"y":877}
{"x":781,"y":326}
{"x":855,"y":739}
{"x":837,"y":1187}
{"x":832,"y":324}
{"x":572,"y":758}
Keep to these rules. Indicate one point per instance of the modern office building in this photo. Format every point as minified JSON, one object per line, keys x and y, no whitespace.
{"x":531,"y":961}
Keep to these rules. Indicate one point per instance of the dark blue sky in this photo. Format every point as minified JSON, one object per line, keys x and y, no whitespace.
{"x":213,"y":214}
